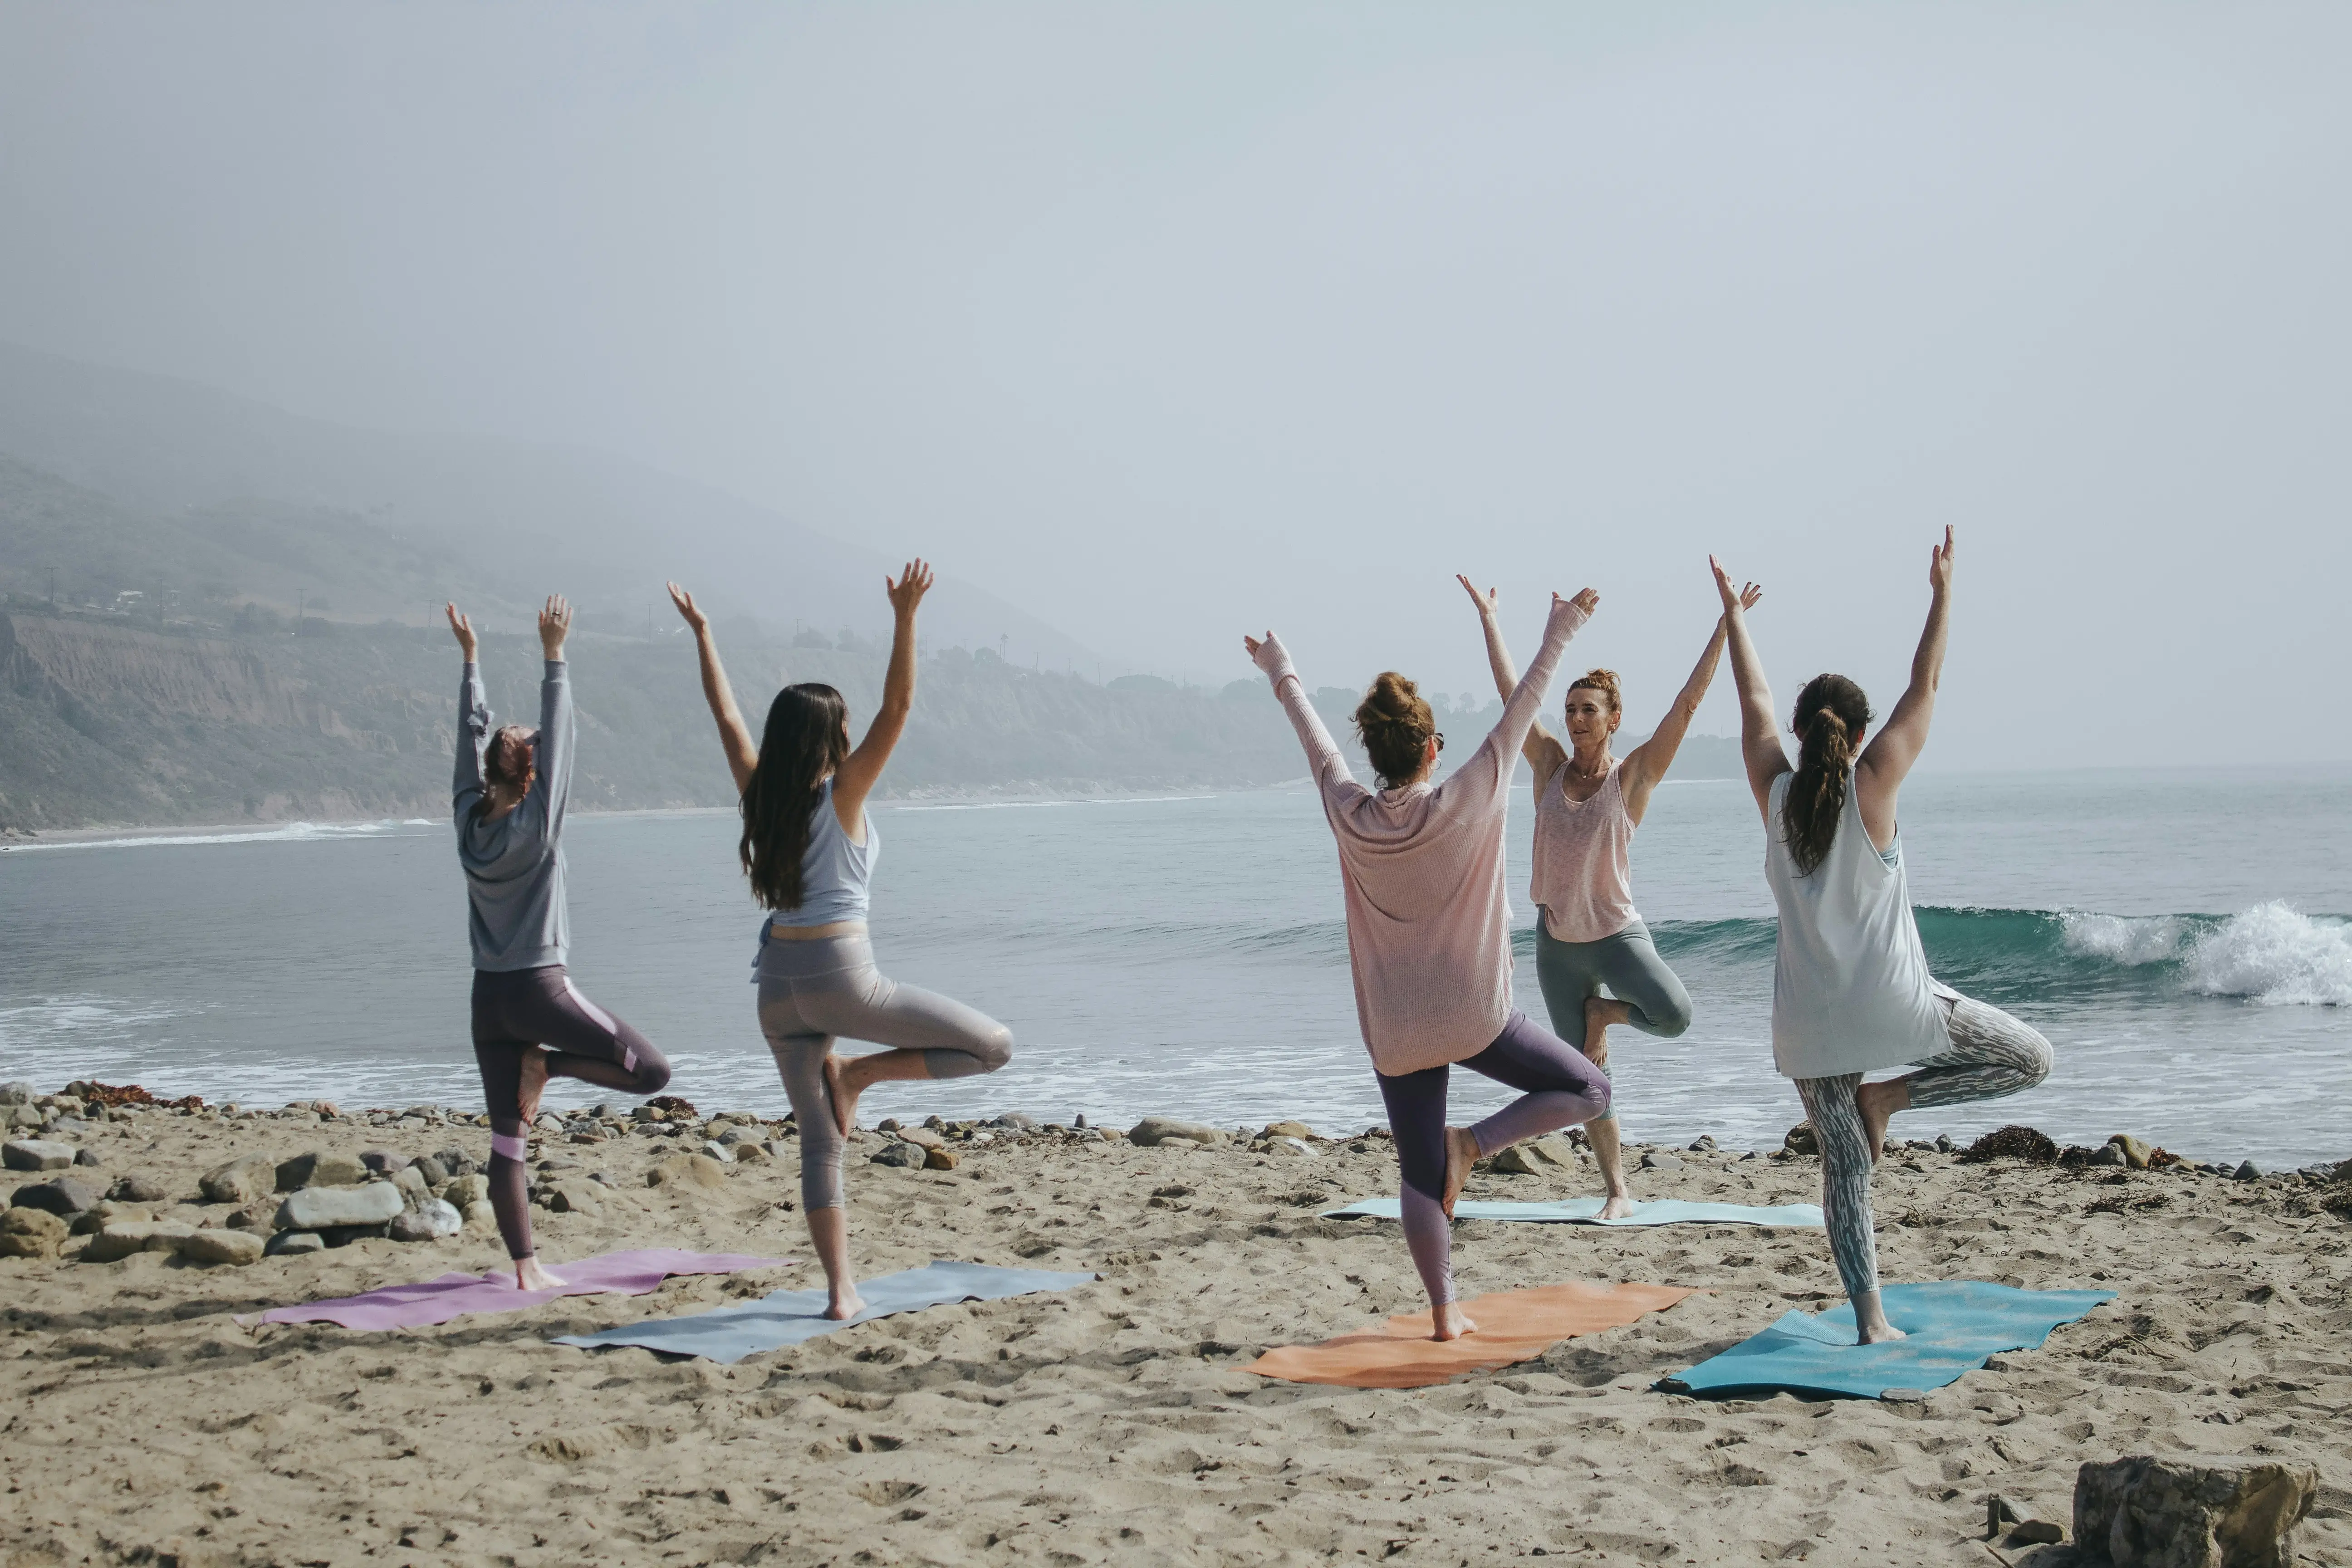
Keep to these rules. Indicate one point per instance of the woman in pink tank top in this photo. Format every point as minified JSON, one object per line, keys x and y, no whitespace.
{"x":1594,"y":958}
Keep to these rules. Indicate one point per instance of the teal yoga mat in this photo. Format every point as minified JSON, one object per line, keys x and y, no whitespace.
{"x":1952,"y":1326}
{"x":788,"y":1317}
{"x":1582,"y":1210}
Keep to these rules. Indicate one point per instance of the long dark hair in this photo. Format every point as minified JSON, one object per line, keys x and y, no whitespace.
{"x":807,"y":737}
{"x":1830,"y":711}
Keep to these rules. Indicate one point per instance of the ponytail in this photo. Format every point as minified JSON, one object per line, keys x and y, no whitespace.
{"x":804,"y":741}
{"x":1830,"y":711}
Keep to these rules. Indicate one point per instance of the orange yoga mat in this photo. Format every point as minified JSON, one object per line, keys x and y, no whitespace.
{"x":1513,"y":1326}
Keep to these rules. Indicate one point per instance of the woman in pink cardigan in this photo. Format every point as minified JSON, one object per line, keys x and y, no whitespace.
{"x":1429,"y":937}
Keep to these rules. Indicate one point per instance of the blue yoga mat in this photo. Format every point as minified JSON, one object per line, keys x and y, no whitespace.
{"x":1582,"y":1211}
{"x":788,"y":1317}
{"x":1952,"y":1326}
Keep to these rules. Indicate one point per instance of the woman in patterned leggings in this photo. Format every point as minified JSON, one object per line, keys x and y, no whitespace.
{"x":1850,"y":991}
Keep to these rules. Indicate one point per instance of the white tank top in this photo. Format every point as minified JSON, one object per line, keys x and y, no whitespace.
{"x":834,"y":871}
{"x":1850,"y":991}
{"x":1583,"y":876}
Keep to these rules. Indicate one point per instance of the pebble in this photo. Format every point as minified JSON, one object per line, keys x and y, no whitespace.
{"x":1281,"y":1129}
{"x":294,"y":1242}
{"x":236,"y":1247}
{"x":138,"y":1188}
{"x":85,"y":1157}
{"x":2249,"y":1172}
{"x":241,"y":1180}
{"x":36,"y":1154}
{"x":922,"y":1136}
{"x":1656,"y":1161}
{"x":321,"y":1208}
{"x":63,"y":1195}
{"x":718,"y":1150}
{"x":941,"y":1159}
{"x":902,"y":1155}
{"x":1017,"y":1121}
{"x":751,"y":1154}
{"x":1703,"y":1144}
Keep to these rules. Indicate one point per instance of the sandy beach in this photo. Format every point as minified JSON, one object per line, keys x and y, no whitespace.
{"x":1112,"y":1422}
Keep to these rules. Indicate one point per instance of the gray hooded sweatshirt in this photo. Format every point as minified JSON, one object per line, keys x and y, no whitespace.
{"x":514,"y":867}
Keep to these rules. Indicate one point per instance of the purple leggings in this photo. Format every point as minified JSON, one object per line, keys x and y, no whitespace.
{"x":1561,"y":1088}
{"x":518,"y":1010}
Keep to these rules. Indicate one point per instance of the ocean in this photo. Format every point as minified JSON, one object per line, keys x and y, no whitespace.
{"x":2183,"y":937}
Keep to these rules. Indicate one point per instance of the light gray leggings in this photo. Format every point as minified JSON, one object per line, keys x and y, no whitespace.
{"x":811,"y":992}
{"x":1992,"y":1054}
{"x":1571,"y":972}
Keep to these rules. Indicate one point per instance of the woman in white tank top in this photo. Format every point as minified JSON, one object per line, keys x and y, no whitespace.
{"x":1850,"y":991}
{"x":1594,"y":958}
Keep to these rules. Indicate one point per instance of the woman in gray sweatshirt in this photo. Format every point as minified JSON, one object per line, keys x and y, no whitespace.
{"x":508,"y":798}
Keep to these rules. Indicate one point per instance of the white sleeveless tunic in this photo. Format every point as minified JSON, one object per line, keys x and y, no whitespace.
{"x":1583,"y":859}
{"x":1850,"y":991}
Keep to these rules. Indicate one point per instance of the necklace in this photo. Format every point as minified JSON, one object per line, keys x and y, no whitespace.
{"x":1578,"y":772}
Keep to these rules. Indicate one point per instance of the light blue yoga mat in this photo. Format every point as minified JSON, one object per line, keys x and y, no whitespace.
{"x":788,"y":1317}
{"x":1952,"y":1326}
{"x":1585,"y":1211}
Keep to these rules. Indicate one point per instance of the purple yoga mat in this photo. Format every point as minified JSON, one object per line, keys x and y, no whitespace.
{"x":454,"y":1295}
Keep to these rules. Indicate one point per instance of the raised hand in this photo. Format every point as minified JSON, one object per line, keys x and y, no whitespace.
{"x":1250,"y":645}
{"x":1750,"y":594}
{"x":1586,"y":600}
{"x":912,"y":583}
{"x":1940,"y":564}
{"x":464,"y":628}
{"x":1734,"y":599}
{"x":687,"y":608}
{"x":554,"y":625}
{"x":1486,"y":601}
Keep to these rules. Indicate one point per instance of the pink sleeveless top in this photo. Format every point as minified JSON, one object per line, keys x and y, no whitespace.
{"x":1583,"y":880}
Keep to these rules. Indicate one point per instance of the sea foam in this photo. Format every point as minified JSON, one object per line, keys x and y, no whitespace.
{"x":2274,"y":955}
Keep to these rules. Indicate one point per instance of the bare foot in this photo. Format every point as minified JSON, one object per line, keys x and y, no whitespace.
{"x":1878,"y":1103}
{"x":842,"y":1093}
{"x":534,"y":1084}
{"x":529,"y":1276}
{"x":847,"y":1303}
{"x":1460,"y":1154}
{"x":1871,"y":1326}
{"x":1452,"y":1321}
{"x":1880,"y":1335}
{"x":1620,"y":1206}
{"x":1599,"y":1012}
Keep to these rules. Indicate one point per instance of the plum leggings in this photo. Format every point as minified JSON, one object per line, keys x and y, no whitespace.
{"x":812,"y":992}
{"x":1991,"y":1055}
{"x":521,"y":1010}
{"x":1561,"y":1088}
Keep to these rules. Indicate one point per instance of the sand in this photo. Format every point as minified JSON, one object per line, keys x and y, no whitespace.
{"x":1111,"y":1423}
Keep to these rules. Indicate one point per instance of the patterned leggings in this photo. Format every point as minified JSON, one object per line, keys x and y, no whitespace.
{"x":1992,"y":1054}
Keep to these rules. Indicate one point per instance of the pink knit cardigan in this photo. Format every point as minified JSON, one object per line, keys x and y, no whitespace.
{"x":1429,"y":924}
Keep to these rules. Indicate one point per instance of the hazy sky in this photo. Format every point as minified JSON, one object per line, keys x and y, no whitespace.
{"x":1171,"y":322}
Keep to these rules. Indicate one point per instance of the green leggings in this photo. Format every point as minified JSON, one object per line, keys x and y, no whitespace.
{"x":1628,"y":964}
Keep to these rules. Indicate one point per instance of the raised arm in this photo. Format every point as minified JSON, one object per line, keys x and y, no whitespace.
{"x":1479,"y":782}
{"x":1759,"y":738}
{"x":554,"y":784}
{"x":863,"y":769}
{"x":1324,"y":758}
{"x":473,"y":717}
{"x":1646,"y":764}
{"x":1888,"y":758}
{"x":734,"y":735}
{"x":1544,"y":753}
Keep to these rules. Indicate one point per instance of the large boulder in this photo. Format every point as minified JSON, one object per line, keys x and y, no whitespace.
{"x":65,"y":1196}
{"x":30,"y":1233}
{"x":236,"y":1247}
{"x":2145,"y":1512}
{"x":1154,"y":1131}
{"x":245,"y":1180}
{"x":36,"y":1154}
{"x":321,"y":1208}
{"x":322,"y":1168}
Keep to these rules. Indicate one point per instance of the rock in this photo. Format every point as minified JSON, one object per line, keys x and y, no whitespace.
{"x":1153,"y":1131}
{"x":105,"y":1212}
{"x":241,"y":1180}
{"x":718,"y":1150}
{"x":85,"y":1157}
{"x":294,"y":1242}
{"x":923,"y":1137}
{"x":1703,"y":1144}
{"x":1657,"y":1160}
{"x":687,"y":1170}
{"x":577,"y":1196}
{"x":65,"y":1196}
{"x":1273,"y":1130}
{"x":940,"y":1159}
{"x":739,"y":1135}
{"x":2136,"y":1152}
{"x":36,"y":1154}
{"x":384,"y":1162}
{"x":121,"y":1238}
{"x":1517,"y":1161}
{"x":414,"y":1189}
{"x":17,"y":1091}
{"x":260,"y":1216}
{"x":2147,"y":1513}
{"x":322,"y":1208}
{"x":1943,"y":1144}
{"x":434,"y":1171}
{"x":1290,"y":1146}
{"x":345,"y":1235}
{"x":2109,"y":1155}
{"x":320,"y":1169}
{"x":30,"y":1233}
{"x":749,"y":1153}
{"x":455,"y":1161}
{"x":480,"y":1216}
{"x":2037,"y":1532}
{"x":435,"y":1220}
{"x":1016,"y":1122}
{"x":903,"y":1155}
{"x":138,"y":1188}
{"x":1800,"y":1140}
{"x":2249,"y":1172}
{"x":646,"y":1113}
{"x":472,"y":1188}
{"x":236,"y":1247}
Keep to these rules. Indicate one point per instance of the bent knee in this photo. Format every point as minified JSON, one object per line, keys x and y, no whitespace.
{"x":652,"y":1076}
{"x":1601,"y":1094}
{"x":1671,"y":1020}
{"x":994,"y":1048}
